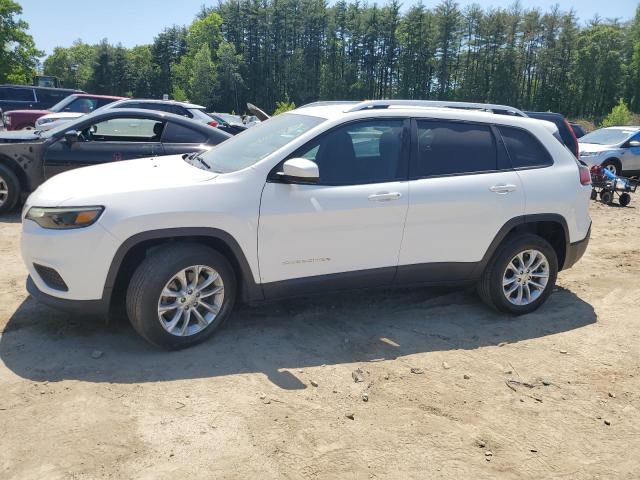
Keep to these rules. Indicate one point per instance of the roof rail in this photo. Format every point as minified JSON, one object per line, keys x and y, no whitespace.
{"x":486,"y":107}
{"x":323,"y":103}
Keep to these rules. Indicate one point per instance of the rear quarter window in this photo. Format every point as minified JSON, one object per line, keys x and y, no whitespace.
{"x":175,"y":133}
{"x":525,"y":151}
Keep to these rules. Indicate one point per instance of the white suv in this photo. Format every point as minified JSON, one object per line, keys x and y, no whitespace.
{"x":326,"y":197}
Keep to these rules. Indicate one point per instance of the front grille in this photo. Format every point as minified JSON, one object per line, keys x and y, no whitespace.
{"x":51,"y":278}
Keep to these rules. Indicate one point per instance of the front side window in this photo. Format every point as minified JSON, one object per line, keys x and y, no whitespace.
{"x":452,"y":148}
{"x":359,"y":153}
{"x":124,"y":130}
{"x":524,"y":150}
{"x":256,"y":143}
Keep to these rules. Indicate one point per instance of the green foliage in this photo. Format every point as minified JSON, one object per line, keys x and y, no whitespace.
{"x":619,"y":115}
{"x":285,"y":106}
{"x":263,"y":51}
{"x":202,"y":86}
{"x":18,"y":53}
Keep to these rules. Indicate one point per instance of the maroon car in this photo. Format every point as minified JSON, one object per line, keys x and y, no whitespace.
{"x":77,"y":103}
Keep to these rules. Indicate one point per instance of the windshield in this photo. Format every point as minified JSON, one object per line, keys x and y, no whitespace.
{"x":608,"y":136}
{"x":254,"y":144}
{"x":67,"y":125}
{"x":59,"y":107}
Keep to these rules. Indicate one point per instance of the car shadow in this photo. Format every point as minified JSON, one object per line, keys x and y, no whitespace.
{"x":276,"y":339}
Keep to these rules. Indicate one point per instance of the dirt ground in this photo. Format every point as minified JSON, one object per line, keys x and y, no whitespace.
{"x":555,"y":394}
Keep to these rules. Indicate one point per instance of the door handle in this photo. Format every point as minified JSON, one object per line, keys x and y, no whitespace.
{"x":384,"y":196}
{"x":502,"y":189}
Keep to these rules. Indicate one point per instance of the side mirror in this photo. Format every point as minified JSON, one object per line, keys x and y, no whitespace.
{"x":300,"y":170}
{"x":71,"y":137}
{"x":634,"y":143}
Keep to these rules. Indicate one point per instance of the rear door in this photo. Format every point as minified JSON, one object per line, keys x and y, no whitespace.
{"x":462,"y":190}
{"x":631,"y":155}
{"x":109,"y":140}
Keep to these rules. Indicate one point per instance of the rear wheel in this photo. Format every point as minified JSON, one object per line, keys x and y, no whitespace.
{"x":180,"y":295}
{"x":521,"y":275}
{"x":9,"y":189}
{"x":606,"y":197}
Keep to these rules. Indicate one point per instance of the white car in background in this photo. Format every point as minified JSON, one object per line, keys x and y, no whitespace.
{"x":184,"y":109}
{"x":615,"y":148}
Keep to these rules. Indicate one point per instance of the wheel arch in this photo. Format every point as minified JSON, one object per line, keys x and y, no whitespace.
{"x":134,"y":249}
{"x":615,"y":160}
{"x":552,"y":227}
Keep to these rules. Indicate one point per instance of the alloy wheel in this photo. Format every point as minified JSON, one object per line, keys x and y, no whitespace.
{"x":525,"y":277}
{"x":4,"y":191}
{"x":191,"y":300}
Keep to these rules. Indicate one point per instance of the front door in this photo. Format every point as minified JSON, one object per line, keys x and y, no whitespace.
{"x":348,"y":226}
{"x":631,"y":155}
{"x":108,"y":141}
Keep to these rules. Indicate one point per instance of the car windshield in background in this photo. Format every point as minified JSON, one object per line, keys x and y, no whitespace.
{"x":608,"y":136}
{"x":256,"y":143}
{"x":68,"y":125}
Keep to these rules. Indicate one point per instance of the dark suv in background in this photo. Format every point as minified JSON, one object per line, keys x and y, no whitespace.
{"x":21,"y":97}
{"x":566,"y":132}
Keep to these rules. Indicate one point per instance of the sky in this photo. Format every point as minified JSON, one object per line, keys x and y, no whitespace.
{"x":136,"y":22}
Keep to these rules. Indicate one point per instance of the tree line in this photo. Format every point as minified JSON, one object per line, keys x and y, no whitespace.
{"x":270,"y":51}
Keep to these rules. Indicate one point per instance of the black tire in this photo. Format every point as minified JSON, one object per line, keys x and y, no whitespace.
{"x":624,"y":199}
{"x":9,"y":200}
{"x":606,"y":197}
{"x":594,"y":194}
{"x":613,"y":163}
{"x":490,"y":286}
{"x":149,"y":280}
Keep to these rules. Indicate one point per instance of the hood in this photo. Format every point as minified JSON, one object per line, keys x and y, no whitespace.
{"x":31,"y":113}
{"x":59,"y":115}
{"x":19,"y":136}
{"x":94,"y":185}
{"x":594,"y":147}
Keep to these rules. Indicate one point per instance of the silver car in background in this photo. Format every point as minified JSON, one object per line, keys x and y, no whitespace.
{"x":615,"y":148}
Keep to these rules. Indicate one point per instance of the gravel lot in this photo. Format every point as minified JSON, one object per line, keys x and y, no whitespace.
{"x":551,"y":395}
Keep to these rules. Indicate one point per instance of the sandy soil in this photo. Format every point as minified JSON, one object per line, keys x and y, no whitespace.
{"x":551,"y":395}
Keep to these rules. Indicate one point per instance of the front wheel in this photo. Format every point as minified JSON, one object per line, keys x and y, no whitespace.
{"x":624,"y":199}
{"x":521,"y":275}
{"x":180,"y":295}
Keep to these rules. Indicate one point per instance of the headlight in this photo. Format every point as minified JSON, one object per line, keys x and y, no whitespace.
{"x":42,"y":121}
{"x":589,"y":154}
{"x":64,"y":218}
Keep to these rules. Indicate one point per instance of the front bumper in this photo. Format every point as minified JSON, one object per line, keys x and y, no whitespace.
{"x":99,"y":308}
{"x":576,"y":250}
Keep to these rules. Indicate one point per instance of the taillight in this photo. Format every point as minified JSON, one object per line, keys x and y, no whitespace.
{"x":213,"y":123}
{"x":575,"y":139}
{"x":585,"y":175}
{"x":7,"y":120}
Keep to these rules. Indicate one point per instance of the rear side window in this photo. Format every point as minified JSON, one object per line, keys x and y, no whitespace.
{"x":17,"y":94}
{"x":451,"y":148}
{"x":175,"y":133}
{"x":524,"y":149}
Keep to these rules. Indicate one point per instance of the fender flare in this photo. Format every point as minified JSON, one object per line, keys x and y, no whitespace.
{"x":251,"y":291}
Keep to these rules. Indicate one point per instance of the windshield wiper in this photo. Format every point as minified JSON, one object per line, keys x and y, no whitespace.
{"x":196,"y":156}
